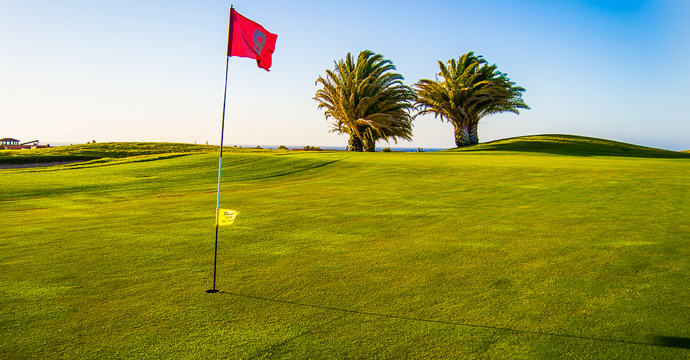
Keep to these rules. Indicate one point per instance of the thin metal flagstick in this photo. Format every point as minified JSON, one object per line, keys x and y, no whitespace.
{"x":220,"y":163}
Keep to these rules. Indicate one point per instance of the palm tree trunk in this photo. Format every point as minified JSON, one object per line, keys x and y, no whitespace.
{"x":472,"y":132}
{"x":462,"y":135}
{"x":369,"y":145}
{"x":355,"y":143}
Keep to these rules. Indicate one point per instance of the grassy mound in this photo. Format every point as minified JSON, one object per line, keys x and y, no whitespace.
{"x":573,"y":146}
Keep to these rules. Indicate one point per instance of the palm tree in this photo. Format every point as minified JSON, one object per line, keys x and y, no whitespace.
{"x":468,"y":90}
{"x":366,"y":100}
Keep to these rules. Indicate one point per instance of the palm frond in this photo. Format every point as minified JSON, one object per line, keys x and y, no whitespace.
{"x":467,"y":89}
{"x":366,"y":98}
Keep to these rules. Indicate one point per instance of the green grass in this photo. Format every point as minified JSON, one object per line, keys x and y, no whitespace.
{"x":572,"y":145}
{"x":99,"y":151}
{"x":495,"y":253}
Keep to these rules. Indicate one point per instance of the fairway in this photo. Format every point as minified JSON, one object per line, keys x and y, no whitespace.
{"x":493,"y":253}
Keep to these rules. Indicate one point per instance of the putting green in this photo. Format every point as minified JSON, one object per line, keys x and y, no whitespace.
{"x":496,"y":253}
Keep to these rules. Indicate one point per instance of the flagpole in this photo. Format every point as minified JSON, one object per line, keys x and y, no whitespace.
{"x":220,"y":164}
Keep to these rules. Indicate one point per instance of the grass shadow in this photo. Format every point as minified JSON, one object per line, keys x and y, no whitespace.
{"x":291,"y":172}
{"x":674,"y":342}
{"x":659,"y":341}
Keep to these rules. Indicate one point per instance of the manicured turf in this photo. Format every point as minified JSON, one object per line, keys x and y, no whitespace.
{"x":107,"y":151}
{"x":458,"y":254}
{"x":572,"y":145}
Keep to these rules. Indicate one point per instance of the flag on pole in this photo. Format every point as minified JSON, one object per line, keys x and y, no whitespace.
{"x":245,"y":39}
{"x":226,"y":216}
{"x":249,"y":39}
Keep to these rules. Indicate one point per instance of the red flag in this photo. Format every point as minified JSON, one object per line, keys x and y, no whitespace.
{"x":249,"y":39}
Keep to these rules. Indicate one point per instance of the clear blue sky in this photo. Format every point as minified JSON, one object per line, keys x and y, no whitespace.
{"x":147,"y":70}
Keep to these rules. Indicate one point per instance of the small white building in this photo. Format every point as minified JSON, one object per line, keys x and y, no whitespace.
{"x":13,"y":144}
{"x":9,"y":141}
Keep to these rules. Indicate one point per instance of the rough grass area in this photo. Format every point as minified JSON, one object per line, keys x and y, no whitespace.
{"x":107,"y":150}
{"x":482,"y":254}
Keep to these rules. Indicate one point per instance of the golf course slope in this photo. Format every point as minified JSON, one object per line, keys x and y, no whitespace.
{"x":499,"y":251}
{"x":86,"y":152}
{"x":572,"y":145}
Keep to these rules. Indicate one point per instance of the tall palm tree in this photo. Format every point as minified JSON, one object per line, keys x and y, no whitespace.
{"x":367,"y":100}
{"x":468,"y":90}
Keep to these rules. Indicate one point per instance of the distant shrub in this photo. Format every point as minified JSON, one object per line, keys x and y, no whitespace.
{"x":311,"y":148}
{"x":282,"y":147}
{"x":386,"y":149}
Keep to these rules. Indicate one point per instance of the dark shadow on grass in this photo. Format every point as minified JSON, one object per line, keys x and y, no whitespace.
{"x":587,"y":153}
{"x":674,"y":342}
{"x":573,"y":146}
{"x":294,"y":171}
{"x":660,"y":341}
